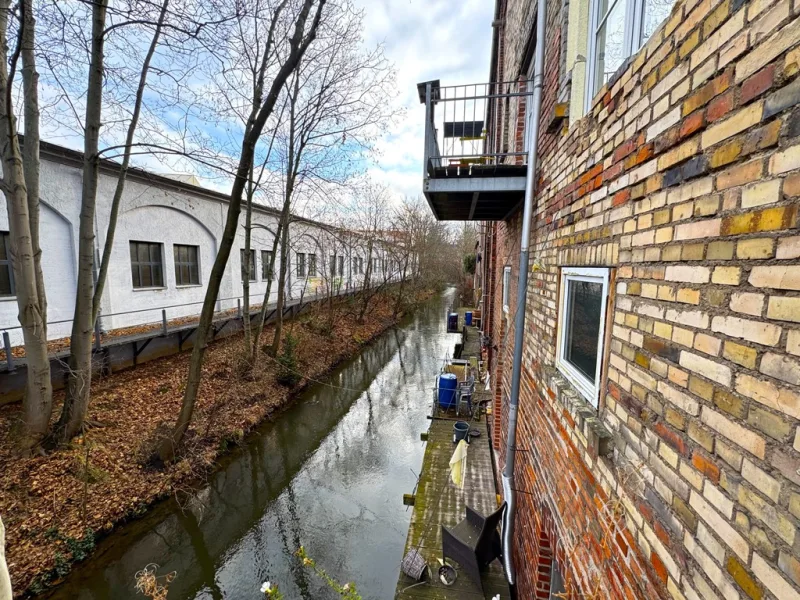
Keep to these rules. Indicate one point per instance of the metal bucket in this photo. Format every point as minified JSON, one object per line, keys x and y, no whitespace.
{"x":460,"y":431}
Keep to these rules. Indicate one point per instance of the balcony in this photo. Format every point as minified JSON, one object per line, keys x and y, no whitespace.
{"x":469,"y":174}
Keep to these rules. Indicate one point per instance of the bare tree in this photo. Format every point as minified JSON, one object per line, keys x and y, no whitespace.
{"x":20,"y":184}
{"x":262,"y":103}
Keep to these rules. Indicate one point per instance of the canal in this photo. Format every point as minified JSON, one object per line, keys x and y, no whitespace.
{"x":328,"y":474}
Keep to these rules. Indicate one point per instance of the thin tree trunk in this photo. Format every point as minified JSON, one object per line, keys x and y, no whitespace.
{"x":102,"y":273}
{"x":276,"y":340}
{"x":262,"y":317}
{"x":255,"y":125}
{"x":37,"y":403}
{"x":248,"y":229}
{"x":30,"y":149}
{"x":79,"y":379}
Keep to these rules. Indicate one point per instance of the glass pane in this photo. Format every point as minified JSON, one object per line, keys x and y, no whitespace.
{"x":158,"y":281}
{"x":655,"y":11}
{"x":584,"y":304}
{"x":195,"y":275}
{"x":142,"y":252}
{"x":176,"y":254}
{"x":5,"y":281}
{"x":3,"y":242}
{"x":146,"y":275}
{"x":610,"y":48}
{"x":155,"y":253}
{"x":192,"y":251}
{"x":185,"y":274}
{"x":137,"y":282}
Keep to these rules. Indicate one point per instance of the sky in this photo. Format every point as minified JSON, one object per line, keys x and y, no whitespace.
{"x":447,"y":40}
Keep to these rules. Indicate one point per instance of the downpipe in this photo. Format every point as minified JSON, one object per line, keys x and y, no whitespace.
{"x":522,"y":294}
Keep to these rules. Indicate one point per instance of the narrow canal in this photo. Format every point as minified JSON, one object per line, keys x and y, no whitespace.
{"x":329,"y":474}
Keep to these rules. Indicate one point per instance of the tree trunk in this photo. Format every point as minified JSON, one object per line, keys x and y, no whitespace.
{"x":102,"y":272}
{"x":30,"y":150}
{"x":276,"y":340}
{"x":37,"y":403}
{"x":248,"y":230}
{"x":262,"y":317}
{"x":255,"y":126}
{"x":79,"y":379}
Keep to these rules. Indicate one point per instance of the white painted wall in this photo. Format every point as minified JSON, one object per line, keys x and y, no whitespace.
{"x":168,"y":214}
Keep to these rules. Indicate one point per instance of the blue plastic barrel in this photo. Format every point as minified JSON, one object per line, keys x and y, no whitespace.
{"x":448,"y":384}
{"x":468,"y":318}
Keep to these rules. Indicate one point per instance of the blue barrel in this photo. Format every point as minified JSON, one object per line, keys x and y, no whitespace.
{"x":448,"y":384}
{"x":468,"y":318}
{"x":452,"y":323}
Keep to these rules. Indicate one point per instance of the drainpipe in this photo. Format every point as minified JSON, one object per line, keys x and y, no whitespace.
{"x":522,"y":294}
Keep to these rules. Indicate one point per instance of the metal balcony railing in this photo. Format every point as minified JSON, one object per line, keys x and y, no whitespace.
{"x":464,"y":124}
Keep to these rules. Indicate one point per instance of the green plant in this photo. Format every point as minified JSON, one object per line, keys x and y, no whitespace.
{"x":287,"y":362}
{"x":469,"y":264}
{"x":347,"y":590}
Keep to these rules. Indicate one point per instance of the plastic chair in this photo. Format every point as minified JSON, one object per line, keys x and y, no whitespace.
{"x":474,"y":542}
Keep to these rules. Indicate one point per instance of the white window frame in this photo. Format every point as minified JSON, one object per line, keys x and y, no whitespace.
{"x":634,"y":25}
{"x":506,"y":286}
{"x":588,"y":389}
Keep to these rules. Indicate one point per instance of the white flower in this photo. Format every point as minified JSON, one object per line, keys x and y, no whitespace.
{"x":346,"y":587}
{"x":496,"y":597}
{"x":266,"y":587}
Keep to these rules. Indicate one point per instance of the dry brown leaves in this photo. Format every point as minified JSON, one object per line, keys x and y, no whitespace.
{"x":45,"y":494}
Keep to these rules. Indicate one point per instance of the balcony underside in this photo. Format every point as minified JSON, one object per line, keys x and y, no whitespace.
{"x":476,"y":193}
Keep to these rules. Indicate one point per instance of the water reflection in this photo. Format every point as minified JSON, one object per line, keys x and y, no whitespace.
{"x":329,"y":475}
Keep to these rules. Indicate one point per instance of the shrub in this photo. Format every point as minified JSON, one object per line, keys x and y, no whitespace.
{"x":288,"y":374}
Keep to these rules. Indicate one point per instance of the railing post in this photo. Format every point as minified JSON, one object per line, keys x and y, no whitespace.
{"x":428,"y":129}
{"x":97,"y":344}
{"x":7,"y":345}
{"x":239,"y":307}
{"x":164,"y":321}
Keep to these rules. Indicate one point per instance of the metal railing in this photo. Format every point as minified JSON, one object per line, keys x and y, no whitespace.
{"x":467,"y":128}
{"x":161,"y":319}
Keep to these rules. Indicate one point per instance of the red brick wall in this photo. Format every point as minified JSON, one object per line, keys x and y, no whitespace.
{"x":684,"y":180}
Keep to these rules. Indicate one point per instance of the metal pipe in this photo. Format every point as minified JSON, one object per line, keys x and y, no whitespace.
{"x":7,"y":346}
{"x":522,"y":293}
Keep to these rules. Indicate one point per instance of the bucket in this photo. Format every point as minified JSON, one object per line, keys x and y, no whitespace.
{"x":468,"y":318}
{"x":448,"y":385}
{"x":460,"y":431}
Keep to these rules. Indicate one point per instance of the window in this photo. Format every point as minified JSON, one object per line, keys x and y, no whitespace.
{"x":147,"y":265}
{"x":266,"y":265}
{"x":581,"y":328}
{"x":251,"y":272}
{"x":301,"y":264}
{"x":341,"y":266}
{"x":6,"y":268}
{"x":312,"y":265}
{"x":506,"y":286}
{"x":618,"y":28}
{"x":187,"y":267}
{"x":355,"y":265}
{"x":361,"y":266}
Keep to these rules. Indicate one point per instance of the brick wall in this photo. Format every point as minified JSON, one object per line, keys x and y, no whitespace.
{"x":684,"y":180}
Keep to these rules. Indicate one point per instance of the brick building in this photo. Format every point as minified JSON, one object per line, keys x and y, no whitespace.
{"x":658,"y":448}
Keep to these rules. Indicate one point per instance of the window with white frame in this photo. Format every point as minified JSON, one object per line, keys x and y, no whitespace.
{"x":506,"y":286}
{"x":581,"y":327}
{"x":618,"y":28}
{"x":6,"y":268}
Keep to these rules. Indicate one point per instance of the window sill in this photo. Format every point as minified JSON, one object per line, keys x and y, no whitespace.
{"x":8,"y":298}
{"x":598,"y":439}
{"x":189,"y":285}
{"x":149,"y":289}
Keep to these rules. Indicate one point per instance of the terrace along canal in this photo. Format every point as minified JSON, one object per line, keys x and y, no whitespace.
{"x":329,"y":474}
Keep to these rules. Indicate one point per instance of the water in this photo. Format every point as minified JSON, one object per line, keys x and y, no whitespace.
{"x":328,"y":474}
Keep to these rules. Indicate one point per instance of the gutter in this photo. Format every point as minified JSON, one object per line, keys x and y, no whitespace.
{"x":522,"y":295}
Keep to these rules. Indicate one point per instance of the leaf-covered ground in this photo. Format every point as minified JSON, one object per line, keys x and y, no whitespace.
{"x":48,"y":502}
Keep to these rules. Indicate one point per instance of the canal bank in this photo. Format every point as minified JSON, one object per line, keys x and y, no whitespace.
{"x":328,"y":474}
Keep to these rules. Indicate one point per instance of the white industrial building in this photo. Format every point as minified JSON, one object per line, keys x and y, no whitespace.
{"x":166,"y":240}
